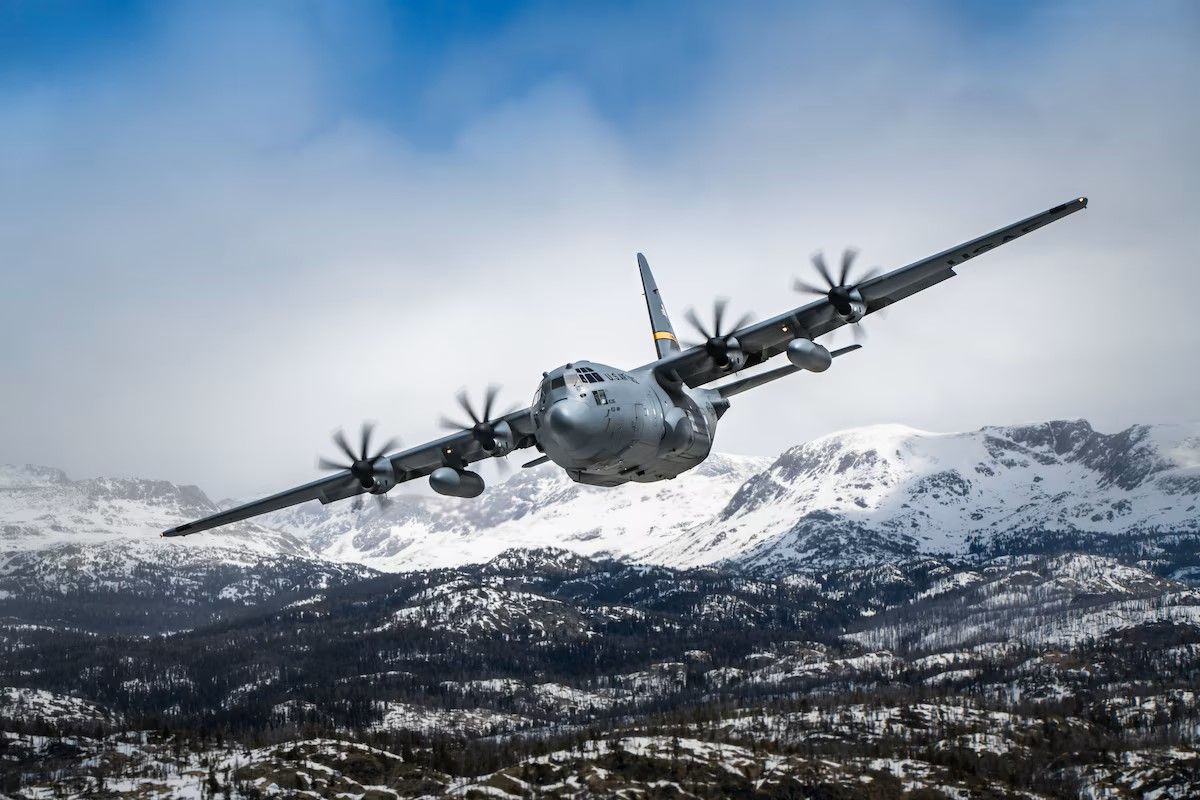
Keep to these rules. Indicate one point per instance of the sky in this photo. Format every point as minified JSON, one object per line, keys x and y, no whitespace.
{"x":227,"y":229}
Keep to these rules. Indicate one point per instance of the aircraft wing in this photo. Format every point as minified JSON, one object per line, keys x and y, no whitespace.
{"x":770,"y":337}
{"x":415,"y":462}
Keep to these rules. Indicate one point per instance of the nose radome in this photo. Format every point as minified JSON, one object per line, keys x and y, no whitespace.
{"x":576,"y":424}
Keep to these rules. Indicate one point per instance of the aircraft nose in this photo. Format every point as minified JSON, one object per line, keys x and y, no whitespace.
{"x":575,"y":424}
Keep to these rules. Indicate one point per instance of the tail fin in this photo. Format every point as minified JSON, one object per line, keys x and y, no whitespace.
{"x":664,"y":335}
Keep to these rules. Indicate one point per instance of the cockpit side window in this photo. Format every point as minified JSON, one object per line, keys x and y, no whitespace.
{"x":557,"y":382}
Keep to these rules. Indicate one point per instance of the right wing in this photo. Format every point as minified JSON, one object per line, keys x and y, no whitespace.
{"x":770,"y":337}
{"x":415,"y":462}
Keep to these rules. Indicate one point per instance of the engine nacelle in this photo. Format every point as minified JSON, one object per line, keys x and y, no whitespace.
{"x":455,"y":483}
{"x":807,"y":354}
{"x":848,"y":303}
{"x":384,"y":475}
{"x":503,"y":434}
{"x":726,"y":352}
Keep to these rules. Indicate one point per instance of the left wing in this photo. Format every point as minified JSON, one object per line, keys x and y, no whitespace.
{"x":768,"y":338}
{"x":457,"y":449}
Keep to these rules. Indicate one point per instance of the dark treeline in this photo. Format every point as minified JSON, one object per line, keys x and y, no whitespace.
{"x":651,"y":651}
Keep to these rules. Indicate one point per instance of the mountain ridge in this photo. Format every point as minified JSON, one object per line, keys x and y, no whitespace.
{"x":885,"y":491}
{"x":859,"y":496}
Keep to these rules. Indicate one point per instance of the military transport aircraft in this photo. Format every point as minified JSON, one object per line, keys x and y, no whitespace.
{"x":607,"y":426}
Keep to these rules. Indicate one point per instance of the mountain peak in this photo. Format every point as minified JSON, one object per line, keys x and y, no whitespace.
{"x":883,"y":491}
{"x":860,"y":496}
{"x":524,"y":561}
{"x":13,"y":476}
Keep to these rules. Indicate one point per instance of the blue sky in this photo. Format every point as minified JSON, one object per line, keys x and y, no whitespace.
{"x":391,"y":62}
{"x":230,"y":228}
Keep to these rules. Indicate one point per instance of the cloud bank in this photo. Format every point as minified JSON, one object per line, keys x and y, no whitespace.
{"x":232,"y":229}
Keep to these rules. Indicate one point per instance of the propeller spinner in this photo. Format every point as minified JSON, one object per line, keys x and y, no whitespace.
{"x":372,"y":472}
{"x":843,"y":294}
{"x":722,"y":346}
{"x":493,"y":435}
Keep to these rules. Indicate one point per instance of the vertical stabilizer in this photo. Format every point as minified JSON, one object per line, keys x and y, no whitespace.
{"x":664,"y":335}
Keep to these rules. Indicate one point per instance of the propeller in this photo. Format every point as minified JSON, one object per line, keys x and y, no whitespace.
{"x":364,"y":467}
{"x":492,"y":434}
{"x":843,"y":294}
{"x":722,"y":346}
{"x":504,"y":468}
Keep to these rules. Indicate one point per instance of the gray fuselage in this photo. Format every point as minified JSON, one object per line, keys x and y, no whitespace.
{"x":607,"y":426}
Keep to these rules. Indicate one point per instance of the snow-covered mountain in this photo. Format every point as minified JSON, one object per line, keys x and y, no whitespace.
{"x":535,"y":508}
{"x":41,"y":508}
{"x":855,"y":497}
{"x":1014,"y":654}
{"x":61,"y":538}
{"x":871,"y":493}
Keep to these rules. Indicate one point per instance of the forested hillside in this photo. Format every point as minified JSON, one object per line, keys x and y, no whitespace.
{"x":543,"y":673}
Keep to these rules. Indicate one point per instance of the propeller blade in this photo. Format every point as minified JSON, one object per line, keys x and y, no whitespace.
{"x":452,"y":424}
{"x":339,"y":438}
{"x":465,"y":405}
{"x":818,"y":261}
{"x":808,"y":288}
{"x":503,"y":466}
{"x":848,"y":256}
{"x":860,"y":333}
{"x":384,"y":501}
{"x":719,"y":306}
{"x":367,"y":429}
{"x":324,"y":463}
{"x":357,"y":504}
{"x":489,"y":400}
{"x":390,"y":444}
{"x":866,"y":276}
{"x":741,"y":323}
{"x":694,"y":321}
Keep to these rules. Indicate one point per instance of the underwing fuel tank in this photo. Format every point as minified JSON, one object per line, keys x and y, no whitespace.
{"x":807,"y":354}
{"x":452,"y":482}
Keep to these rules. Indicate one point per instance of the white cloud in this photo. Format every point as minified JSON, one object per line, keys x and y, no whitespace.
{"x":211,"y":260}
